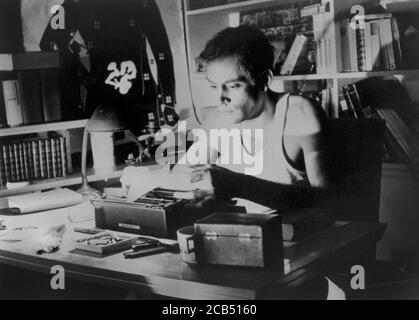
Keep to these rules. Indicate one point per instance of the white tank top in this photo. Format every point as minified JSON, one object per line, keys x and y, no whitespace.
{"x":276,"y":167}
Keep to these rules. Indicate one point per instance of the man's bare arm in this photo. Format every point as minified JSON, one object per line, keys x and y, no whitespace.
{"x":306,"y":127}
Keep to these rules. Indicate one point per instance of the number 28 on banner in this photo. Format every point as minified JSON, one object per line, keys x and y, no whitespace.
{"x":358,"y":17}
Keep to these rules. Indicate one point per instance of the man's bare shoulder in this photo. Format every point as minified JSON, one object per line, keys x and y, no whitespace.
{"x":304,"y":117}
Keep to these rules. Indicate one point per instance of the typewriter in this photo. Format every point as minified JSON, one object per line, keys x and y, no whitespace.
{"x":158,"y":213}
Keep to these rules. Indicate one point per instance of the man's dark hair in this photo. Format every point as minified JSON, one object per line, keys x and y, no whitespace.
{"x":251,"y":47}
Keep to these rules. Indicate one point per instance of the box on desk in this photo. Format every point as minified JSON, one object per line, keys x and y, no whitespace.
{"x":158,"y":213}
{"x":237,"y":239}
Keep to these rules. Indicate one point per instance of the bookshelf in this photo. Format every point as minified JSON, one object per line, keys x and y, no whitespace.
{"x":43,"y":127}
{"x":71,"y":180}
{"x":203,"y":23}
{"x":10,"y":66}
{"x":29,"y":61}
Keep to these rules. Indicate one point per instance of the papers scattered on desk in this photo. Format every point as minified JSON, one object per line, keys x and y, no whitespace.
{"x":140,"y":180}
{"x":54,"y":199}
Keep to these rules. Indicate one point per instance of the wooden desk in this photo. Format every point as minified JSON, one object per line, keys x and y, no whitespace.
{"x":166,"y":274}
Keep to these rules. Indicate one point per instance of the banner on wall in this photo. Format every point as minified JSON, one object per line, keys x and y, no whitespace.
{"x":132,"y":51}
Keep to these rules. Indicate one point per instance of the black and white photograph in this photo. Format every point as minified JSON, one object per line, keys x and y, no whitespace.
{"x":209,"y":150}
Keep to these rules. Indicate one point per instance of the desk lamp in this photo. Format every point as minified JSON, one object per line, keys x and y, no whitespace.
{"x":106,"y":118}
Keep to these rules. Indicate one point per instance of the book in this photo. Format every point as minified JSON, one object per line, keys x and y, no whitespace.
{"x":344,"y":111}
{"x":348,"y":100}
{"x":293,"y":55}
{"x":375,"y":45}
{"x":13,"y":175}
{"x":397,"y":42}
{"x":296,"y":224}
{"x":3,"y":115}
{"x":35,"y":160}
{"x":405,"y":137}
{"x":63,"y":152}
{"x":363,"y":111}
{"x":300,"y":224}
{"x":6,"y":163}
{"x":3,"y":180}
{"x":58,"y":157}
{"x":35,"y":60}
{"x":386,"y":40}
{"x":368,"y":46}
{"x":54,"y":158}
{"x":23,"y":168}
{"x":29,"y":159}
{"x":15,"y":150}
{"x":51,"y":98}
{"x":361,"y":49}
{"x":48,"y":158}
{"x":348,"y":47}
{"x":318,"y":27}
{"x":30,"y":90}
{"x":43,"y":167}
{"x":12,"y":103}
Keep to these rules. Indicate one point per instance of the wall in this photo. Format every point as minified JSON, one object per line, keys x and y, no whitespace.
{"x":400,"y":210}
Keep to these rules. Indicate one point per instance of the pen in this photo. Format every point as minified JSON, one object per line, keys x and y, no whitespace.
{"x":145,"y":245}
{"x":87,"y":230}
{"x":145,"y":252}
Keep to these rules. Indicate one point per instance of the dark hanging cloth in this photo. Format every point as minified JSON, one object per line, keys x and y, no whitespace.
{"x":103,"y":47}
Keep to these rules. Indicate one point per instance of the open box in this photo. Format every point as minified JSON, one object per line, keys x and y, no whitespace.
{"x":106,"y":242}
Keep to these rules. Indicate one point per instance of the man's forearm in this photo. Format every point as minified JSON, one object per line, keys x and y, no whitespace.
{"x":274,"y":195}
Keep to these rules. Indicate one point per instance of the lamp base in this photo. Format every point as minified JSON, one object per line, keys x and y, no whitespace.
{"x":89,"y":192}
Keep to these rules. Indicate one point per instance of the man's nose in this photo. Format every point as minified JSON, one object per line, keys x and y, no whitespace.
{"x":225,"y":99}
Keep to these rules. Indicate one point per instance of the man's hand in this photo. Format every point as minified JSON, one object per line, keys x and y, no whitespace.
{"x":208,"y":181}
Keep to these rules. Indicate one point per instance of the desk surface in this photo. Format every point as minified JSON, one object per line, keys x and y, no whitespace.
{"x":165,"y":273}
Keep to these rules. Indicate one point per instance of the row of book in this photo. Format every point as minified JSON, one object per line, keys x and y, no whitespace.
{"x":401,"y":137}
{"x":376,"y":44}
{"x":324,"y":98}
{"x":34,"y":159}
{"x":32,"y":98}
{"x":373,"y":98}
{"x":301,"y":34}
{"x":351,"y":103}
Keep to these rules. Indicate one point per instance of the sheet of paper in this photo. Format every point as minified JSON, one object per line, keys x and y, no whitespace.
{"x":137,"y":181}
{"x":252,"y":207}
{"x":54,"y":199}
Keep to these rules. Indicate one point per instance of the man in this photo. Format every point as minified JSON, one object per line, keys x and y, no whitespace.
{"x":238,"y":63}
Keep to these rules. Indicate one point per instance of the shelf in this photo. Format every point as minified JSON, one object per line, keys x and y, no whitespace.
{"x":400,"y":5}
{"x":408,"y":73}
{"x":201,"y":77}
{"x":340,"y":75}
{"x":70,"y":180}
{"x":238,"y":6}
{"x":43,"y":127}
{"x":29,"y":61}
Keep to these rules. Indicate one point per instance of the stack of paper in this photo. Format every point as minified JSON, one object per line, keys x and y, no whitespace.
{"x":54,"y":199}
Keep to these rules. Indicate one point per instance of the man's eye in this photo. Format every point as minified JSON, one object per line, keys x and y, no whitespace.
{"x":212,"y":86}
{"x":234,"y":86}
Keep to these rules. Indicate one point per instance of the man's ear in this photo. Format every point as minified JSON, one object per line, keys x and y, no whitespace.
{"x":265,"y":79}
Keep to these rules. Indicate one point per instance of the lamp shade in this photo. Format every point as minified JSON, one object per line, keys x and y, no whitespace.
{"x":107,"y":118}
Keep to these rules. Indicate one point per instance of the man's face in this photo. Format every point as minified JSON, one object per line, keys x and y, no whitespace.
{"x":237,"y":96}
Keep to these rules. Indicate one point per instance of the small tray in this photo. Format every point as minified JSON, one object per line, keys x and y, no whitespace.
{"x":105,"y":242}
